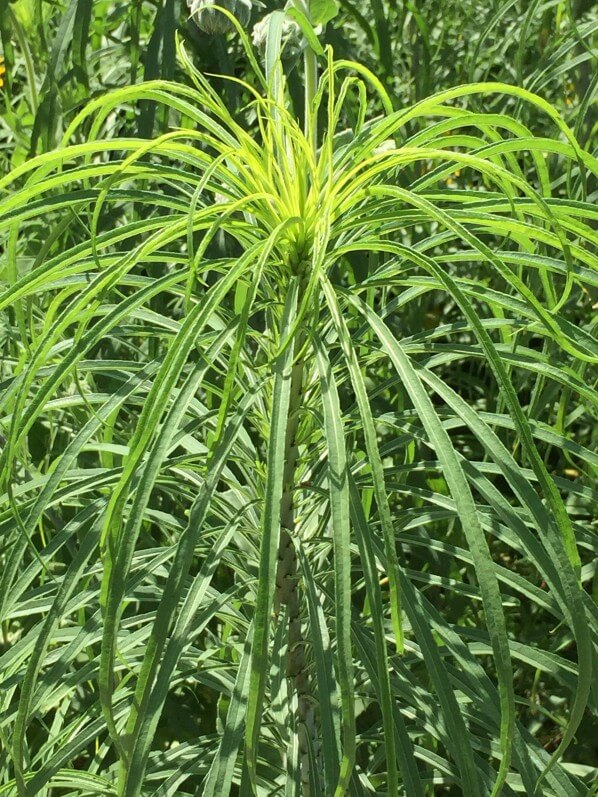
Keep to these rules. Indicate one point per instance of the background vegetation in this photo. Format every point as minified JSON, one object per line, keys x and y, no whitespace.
{"x":454,"y":336}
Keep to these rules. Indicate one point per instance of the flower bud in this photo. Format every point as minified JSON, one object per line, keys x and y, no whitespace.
{"x":292,"y":38}
{"x":211,"y":20}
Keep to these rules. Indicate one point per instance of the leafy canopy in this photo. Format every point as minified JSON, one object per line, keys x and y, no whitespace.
{"x":213,"y":304}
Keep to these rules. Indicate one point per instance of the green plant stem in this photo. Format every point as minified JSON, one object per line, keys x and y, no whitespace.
{"x":310,"y":64}
{"x":311,"y":87}
{"x":287,"y":580}
{"x":29,"y":66}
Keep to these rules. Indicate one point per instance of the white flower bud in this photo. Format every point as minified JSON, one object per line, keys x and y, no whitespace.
{"x":211,"y":20}
{"x":292,"y":39}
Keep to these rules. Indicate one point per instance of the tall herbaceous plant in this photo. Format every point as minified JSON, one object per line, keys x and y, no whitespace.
{"x":278,"y":411}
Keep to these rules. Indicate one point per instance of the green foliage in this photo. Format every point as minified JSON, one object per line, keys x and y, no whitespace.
{"x":322,"y":11}
{"x":298,"y":443}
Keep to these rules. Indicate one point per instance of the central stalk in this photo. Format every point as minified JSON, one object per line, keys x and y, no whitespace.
{"x":287,"y":578}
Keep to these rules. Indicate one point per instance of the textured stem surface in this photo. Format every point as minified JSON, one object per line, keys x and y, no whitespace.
{"x":287,"y":579}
